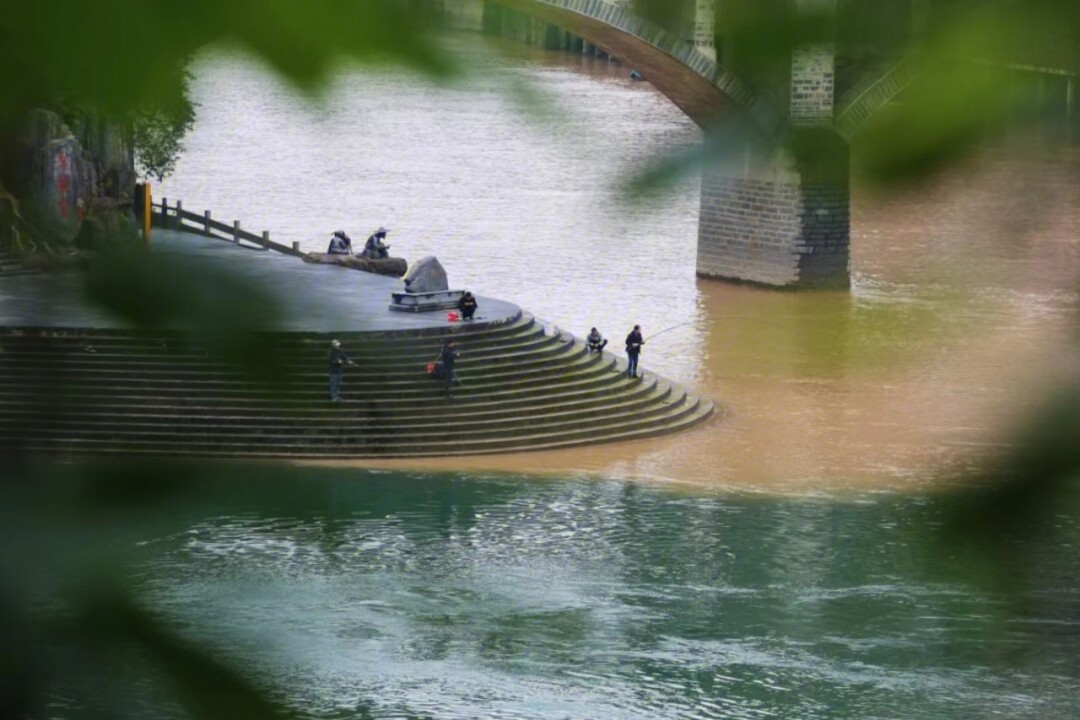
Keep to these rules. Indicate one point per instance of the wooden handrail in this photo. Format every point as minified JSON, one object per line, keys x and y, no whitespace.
{"x":177,"y":218}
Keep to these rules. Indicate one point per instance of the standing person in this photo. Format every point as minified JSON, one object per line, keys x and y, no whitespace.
{"x":634,"y":341}
{"x":338,"y":361}
{"x":375,"y":248}
{"x":448,"y":356}
{"x":467,"y":305}
{"x":340,"y":244}
{"x":595,"y":341}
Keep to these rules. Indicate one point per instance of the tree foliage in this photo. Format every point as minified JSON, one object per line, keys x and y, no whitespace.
{"x":158,"y":131}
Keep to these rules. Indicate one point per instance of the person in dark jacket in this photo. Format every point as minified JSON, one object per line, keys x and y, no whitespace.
{"x":340,"y":244}
{"x":467,"y":305}
{"x":595,"y":341}
{"x":634,"y":341}
{"x":448,"y":356}
{"x":338,"y":361}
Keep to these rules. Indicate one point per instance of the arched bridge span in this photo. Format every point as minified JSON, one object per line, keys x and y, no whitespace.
{"x":705,"y":90}
{"x":783,"y":221}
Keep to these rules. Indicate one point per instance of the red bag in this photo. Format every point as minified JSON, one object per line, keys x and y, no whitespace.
{"x":452,"y":316}
{"x":430,"y":368}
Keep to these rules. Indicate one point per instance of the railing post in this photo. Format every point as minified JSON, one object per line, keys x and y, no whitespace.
{"x":165,"y":213}
{"x":179,"y":217}
{"x":266,"y":240}
{"x":206,"y":223}
{"x":236,"y":231}
{"x":296,"y":245}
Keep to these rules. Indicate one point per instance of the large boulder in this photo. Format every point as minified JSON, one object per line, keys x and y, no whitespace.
{"x":395,"y":267}
{"x":426,"y":275}
{"x":50,"y":175}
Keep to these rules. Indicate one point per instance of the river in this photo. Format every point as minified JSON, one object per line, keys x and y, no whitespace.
{"x":780,"y":561}
{"x":963,"y":286}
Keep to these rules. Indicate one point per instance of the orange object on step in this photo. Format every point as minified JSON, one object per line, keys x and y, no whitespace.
{"x":452,"y":316}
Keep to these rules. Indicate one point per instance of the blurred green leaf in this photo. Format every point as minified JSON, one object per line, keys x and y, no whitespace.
{"x":206,"y":687}
{"x":1040,"y":476}
{"x":116,"y":55}
{"x":170,"y":291}
{"x":732,"y":142}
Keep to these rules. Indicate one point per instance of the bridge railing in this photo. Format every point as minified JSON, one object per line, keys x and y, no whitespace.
{"x":863,"y":100}
{"x":175,"y":217}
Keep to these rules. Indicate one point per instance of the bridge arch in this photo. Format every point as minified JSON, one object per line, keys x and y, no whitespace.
{"x":781,"y":221}
{"x":702,"y":88}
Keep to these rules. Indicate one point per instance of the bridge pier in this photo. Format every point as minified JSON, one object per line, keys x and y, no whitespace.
{"x":782,"y":222}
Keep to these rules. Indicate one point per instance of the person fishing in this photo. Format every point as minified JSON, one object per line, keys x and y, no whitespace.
{"x":375,"y":248}
{"x":338,"y":360}
{"x":634,"y":341}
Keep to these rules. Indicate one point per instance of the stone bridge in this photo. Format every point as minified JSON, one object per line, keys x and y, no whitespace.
{"x":782,"y":220}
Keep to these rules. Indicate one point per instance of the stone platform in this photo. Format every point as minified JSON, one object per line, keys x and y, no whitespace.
{"x":318,"y":298}
{"x":74,"y":383}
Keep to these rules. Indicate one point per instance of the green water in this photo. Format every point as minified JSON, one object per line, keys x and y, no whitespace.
{"x":386,"y":595}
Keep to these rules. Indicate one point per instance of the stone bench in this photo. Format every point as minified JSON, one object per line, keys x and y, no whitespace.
{"x":424,"y":301}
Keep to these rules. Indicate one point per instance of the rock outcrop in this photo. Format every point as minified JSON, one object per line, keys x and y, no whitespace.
{"x":394,"y":267}
{"x":47,"y":170}
{"x":67,"y":187}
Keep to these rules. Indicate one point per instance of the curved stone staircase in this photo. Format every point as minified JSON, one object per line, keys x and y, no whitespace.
{"x":109,"y":391}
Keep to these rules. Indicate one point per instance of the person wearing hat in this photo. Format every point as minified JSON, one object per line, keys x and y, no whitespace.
{"x":340,"y":244}
{"x":375,"y":248}
{"x":338,"y":361}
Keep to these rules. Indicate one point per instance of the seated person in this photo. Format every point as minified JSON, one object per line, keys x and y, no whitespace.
{"x":375,"y":248}
{"x":340,"y":244}
{"x":467,"y":305}
{"x":595,"y":341}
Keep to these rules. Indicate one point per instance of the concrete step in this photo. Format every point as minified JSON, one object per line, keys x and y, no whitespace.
{"x":316,"y":343}
{"x":352,"y":415}
{"x":368,"y":430}
{"x":583,"y":396}
{"x":357,"y":446}
{"x":118,"y":392}
{"x":472,"y":381}
{"x":530,"y":352}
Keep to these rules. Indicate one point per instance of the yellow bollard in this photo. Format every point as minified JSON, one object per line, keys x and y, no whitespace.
{"x":147,"y":209}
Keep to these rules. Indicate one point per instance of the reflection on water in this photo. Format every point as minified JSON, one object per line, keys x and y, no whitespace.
{"x":958,"y":321}
{"x":388,"y":595}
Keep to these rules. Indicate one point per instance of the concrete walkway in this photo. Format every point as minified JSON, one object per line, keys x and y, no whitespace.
{"x":315,"y":298}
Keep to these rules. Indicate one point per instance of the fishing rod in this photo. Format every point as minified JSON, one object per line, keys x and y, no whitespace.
{"x":688,"y":322}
